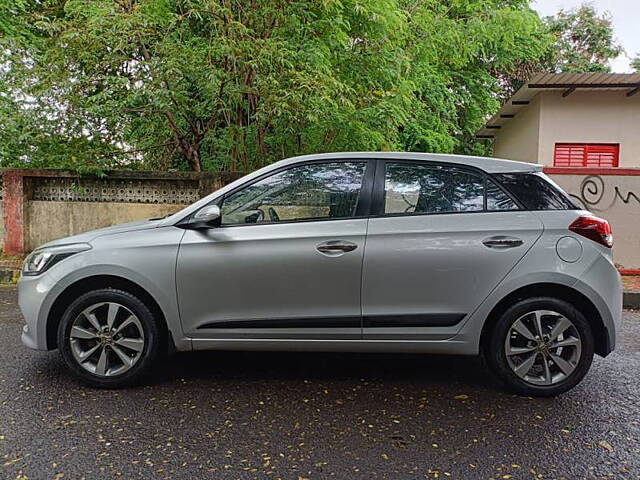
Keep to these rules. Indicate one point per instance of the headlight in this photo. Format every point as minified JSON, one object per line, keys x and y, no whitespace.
{"x":41,"y":260}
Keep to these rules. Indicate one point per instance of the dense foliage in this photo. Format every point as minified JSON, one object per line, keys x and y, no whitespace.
{"x":236,"y":84}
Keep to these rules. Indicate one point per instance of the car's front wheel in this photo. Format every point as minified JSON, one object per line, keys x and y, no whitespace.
{"x":540,"y":347}
{"x":108,"y":338}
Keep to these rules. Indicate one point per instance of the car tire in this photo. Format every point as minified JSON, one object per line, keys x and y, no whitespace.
{"x":114,"y":322}
{"x":558,"y":364}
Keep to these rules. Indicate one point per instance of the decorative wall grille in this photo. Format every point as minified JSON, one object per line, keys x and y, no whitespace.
{"x":115,"y":190}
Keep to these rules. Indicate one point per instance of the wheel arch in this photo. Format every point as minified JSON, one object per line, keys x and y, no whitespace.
{"x":84,"y":285}
{"x":554,"y":290}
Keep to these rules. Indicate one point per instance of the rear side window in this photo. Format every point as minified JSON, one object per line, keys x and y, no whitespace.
{"x":535,"y":192}
{"x":411,"y":188}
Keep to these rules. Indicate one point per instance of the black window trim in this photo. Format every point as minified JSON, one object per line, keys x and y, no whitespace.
{"x":363,"y":206}
{"x":378,"y":197}
{"x":514,"y":199}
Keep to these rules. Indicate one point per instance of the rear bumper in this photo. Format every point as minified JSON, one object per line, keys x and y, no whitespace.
{"x":602,"y":284}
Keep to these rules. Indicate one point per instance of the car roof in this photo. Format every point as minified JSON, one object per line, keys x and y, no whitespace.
{"x":489,"y":165}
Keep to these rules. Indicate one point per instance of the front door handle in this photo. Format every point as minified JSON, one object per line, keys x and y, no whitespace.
{"x":335,"y":248}
{"x":500,"y":242}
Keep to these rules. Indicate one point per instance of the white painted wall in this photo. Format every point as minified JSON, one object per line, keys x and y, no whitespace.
{"x":592,"y":116}
{"x":615,"y":198}
{"x":518,"y":139}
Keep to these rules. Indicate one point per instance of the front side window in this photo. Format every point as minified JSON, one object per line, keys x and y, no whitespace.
{"x":313,"y":191}
{"x":414,"y":188}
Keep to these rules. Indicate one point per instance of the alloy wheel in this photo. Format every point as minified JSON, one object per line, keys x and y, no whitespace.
{"x":543,"y":347}
{"x":107,"y":339}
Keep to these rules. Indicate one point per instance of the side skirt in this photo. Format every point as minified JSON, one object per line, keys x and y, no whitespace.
{"x":450,"y":346}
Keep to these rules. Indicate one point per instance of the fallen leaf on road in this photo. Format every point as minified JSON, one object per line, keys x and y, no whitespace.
{"x":606,"y":445}
{"x":461,"y":397}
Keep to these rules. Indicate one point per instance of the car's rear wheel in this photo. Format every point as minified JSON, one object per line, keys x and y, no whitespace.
{"x":540,"y":347}
{"x":108,"y":338}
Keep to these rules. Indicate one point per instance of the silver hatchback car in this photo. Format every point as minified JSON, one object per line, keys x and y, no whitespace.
{"x":377,"y":252}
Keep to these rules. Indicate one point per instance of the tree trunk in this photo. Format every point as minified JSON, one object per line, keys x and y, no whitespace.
{"x":192,"y":154}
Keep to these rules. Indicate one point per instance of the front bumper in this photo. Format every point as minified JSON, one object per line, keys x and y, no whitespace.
{"x":35,"y":297}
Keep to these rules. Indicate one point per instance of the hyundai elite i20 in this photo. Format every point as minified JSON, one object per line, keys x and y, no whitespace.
{"x":376,"y":252}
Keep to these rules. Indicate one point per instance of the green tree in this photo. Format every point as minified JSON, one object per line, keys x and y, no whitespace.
{"x":635,"y":63}
{"x":236,"y":84}
{"x":584,"y":41}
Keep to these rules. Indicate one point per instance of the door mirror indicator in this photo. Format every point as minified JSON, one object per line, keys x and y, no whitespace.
{"x":207,"y":217}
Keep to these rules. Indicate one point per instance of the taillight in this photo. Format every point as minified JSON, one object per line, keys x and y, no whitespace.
{"x":594,"y":228}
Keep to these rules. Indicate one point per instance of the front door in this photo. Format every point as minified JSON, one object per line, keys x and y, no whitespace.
{"x":443,"y":239}
{"x":286,"y":261}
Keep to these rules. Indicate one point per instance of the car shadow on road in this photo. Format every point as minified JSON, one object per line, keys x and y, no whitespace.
{"x":296,"y":366}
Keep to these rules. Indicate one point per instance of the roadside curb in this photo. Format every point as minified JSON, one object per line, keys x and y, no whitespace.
{"x":9,"y":276}
{"x":10,"y":268}
{"x":631,"y":299}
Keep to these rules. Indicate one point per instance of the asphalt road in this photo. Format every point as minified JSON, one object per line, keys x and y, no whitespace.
{"x":313,"y":416}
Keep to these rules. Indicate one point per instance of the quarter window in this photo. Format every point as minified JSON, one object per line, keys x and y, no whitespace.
{"x":535,"y":191}
{"x":411,"y":188}
{"x":313,"y":191}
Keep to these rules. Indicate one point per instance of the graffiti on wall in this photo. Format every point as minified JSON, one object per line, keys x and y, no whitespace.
{"x":596,"y":195}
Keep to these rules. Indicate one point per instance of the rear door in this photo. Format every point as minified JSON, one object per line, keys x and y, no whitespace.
{"x":442,"y":238}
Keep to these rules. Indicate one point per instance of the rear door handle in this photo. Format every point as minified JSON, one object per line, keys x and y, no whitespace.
{"x":335,"y":248}
{"x":502,"y":242}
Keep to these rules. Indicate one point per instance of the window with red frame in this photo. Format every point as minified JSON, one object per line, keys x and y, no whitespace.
{"x":586,"y":155}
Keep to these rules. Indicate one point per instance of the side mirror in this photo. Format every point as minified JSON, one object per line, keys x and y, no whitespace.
{"x":207,"y":217}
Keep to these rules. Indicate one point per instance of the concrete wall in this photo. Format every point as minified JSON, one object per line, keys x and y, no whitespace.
{"x":48,"y":220}
{"x":615,"y":198}
{"x":42,"y":205}
{"x":518,"y":139}
{"x":590,"y":117}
